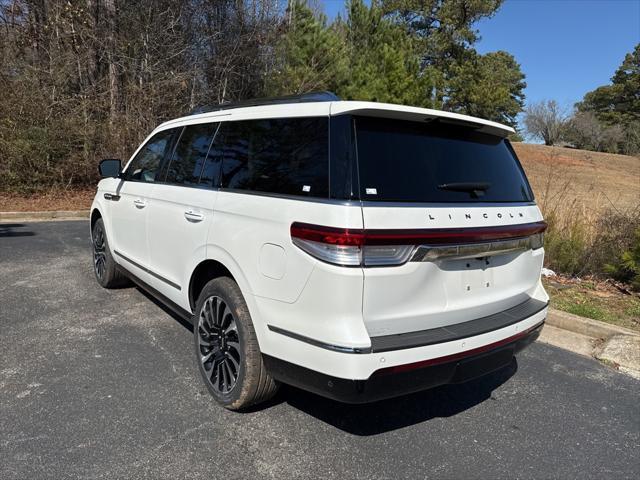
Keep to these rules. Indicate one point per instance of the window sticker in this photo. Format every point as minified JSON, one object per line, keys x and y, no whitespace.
{"x":371,"y":191}
{"x":306,"y":188}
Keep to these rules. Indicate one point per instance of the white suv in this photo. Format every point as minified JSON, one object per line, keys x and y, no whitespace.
{"x":357,"y":250}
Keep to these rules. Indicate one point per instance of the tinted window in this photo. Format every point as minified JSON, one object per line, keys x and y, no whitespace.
{"x":190,"y":155}
{"x":414,"y":162}
{"x":286,"y":156}
{"x":211,"y":171}
{"x":144,"y":166}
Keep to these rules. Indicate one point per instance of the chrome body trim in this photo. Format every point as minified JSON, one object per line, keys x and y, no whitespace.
{"x":427,"y":253}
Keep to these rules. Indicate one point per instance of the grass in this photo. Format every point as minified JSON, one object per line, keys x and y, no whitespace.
{"x":593,"y":180}
{"x":596,"y":300}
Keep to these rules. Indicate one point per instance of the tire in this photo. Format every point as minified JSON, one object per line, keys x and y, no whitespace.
{"x":104,"y":266}
{"x":226,"y":347}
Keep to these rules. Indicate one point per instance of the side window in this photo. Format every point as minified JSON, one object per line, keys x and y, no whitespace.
{"x":286,"y":155}
{"x":146,"y":163}
{"x":191,"y":155}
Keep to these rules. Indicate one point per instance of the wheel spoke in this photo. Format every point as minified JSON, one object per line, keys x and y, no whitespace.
{"x":230,"y":376}
{"x":234,"y":363}
{"x":220,"y":381}
{"x":231,"y":327}
{"x":208,"y":312}
{"x":206,"y":357}
{"x":215,"y":313}
{"x":225,"y":314}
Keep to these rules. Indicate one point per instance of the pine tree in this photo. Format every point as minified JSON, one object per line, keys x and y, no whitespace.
{"x":310,"y":55}
{"x":383,"y":65}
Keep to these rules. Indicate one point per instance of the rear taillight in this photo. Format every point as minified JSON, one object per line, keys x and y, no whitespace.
{"x":357,"y":247}
{"x":340,"y":246}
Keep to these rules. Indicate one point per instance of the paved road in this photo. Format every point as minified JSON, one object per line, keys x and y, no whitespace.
{"x":101,"y":384}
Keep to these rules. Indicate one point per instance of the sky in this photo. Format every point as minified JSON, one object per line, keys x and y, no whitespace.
{"x":565,"y":47}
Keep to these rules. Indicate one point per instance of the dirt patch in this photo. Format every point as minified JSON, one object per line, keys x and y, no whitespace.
{"x":48,"y":201}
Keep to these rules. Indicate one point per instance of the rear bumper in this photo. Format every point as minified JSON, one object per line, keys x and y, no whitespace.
{"x":407,"y":378}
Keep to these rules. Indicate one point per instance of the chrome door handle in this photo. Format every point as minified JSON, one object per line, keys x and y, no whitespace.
{"x":193,"y":216}
{"x":139,"y":203}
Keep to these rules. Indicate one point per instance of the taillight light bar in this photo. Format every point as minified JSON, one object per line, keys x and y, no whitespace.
{"x":361,"y":247}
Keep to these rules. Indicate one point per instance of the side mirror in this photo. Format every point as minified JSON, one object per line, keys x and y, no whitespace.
{"x":110,"y":168}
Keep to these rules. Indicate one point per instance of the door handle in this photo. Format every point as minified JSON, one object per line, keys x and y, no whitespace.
{"x":193,"y":216}
{"x":138,"y":202}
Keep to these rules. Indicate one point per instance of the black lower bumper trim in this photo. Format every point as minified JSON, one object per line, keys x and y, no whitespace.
{"x":382,"y":385}
{"x":457,"y":331}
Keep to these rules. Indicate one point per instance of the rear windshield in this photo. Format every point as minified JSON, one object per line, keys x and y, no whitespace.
{"x":401,"y":161}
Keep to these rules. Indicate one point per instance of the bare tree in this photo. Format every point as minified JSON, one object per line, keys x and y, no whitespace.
{"x":585,"y":131}
{"x":546,"y":121}
{"x":86,"y":79}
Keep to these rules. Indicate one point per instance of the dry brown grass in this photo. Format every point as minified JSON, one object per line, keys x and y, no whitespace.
{"x":590,"y":181}
{"x":591,"y":202}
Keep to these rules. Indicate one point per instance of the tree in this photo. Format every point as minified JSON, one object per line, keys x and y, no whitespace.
{"x":618,"y":104}
{"x":585,"y":131}
{"x":546,"y":121}
{"x":383,"y":65}
{"x":310,"y":55}
{"x":490,"y":86}
{"x":461,"y":80}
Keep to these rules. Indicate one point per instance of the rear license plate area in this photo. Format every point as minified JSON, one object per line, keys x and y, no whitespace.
{"x":476,"y":367}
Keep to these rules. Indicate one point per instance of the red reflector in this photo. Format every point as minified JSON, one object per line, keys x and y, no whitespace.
{"x":453,"y":236}
{"x":453,"y":357}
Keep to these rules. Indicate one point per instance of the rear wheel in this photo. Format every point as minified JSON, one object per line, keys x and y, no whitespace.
{"x":227,"y":350}
{"x":104,"y":266}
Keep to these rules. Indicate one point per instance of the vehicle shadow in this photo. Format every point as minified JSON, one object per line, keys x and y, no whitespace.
{"x":166,"y":309}
{"x":9,"y":230}
{"x":395,"y":413}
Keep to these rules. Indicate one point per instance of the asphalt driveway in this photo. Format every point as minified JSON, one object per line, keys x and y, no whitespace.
{"x":102,"y":384}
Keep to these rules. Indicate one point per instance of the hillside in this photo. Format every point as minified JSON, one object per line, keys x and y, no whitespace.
{"x":592,"y":179}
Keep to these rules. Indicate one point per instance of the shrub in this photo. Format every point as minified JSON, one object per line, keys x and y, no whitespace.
{"x":566,"y":243}
{"x":627,"y":266}
{"x":580,"y":242}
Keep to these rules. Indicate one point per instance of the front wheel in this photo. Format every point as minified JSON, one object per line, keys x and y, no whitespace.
{"x":227,"y":350}
{"x":104,"y":266}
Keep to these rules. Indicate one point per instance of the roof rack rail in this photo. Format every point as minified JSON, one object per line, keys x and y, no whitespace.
{"x":302,"y":98}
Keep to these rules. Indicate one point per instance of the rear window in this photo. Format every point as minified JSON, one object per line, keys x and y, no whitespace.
{"x":401,"y":161}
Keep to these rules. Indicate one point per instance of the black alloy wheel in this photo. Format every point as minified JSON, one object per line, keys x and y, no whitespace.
{"x":219,"y":345}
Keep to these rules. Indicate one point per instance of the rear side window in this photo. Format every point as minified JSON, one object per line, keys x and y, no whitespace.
{"x":285,"y":156}
{"x":191,"y":156}
{"x":145,"y":165}
{"x":401,"y":161}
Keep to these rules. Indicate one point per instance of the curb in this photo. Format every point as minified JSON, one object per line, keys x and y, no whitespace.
{"x":45,"y":216}
{"x":612,"y":345}
{"x":585,"y":326}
